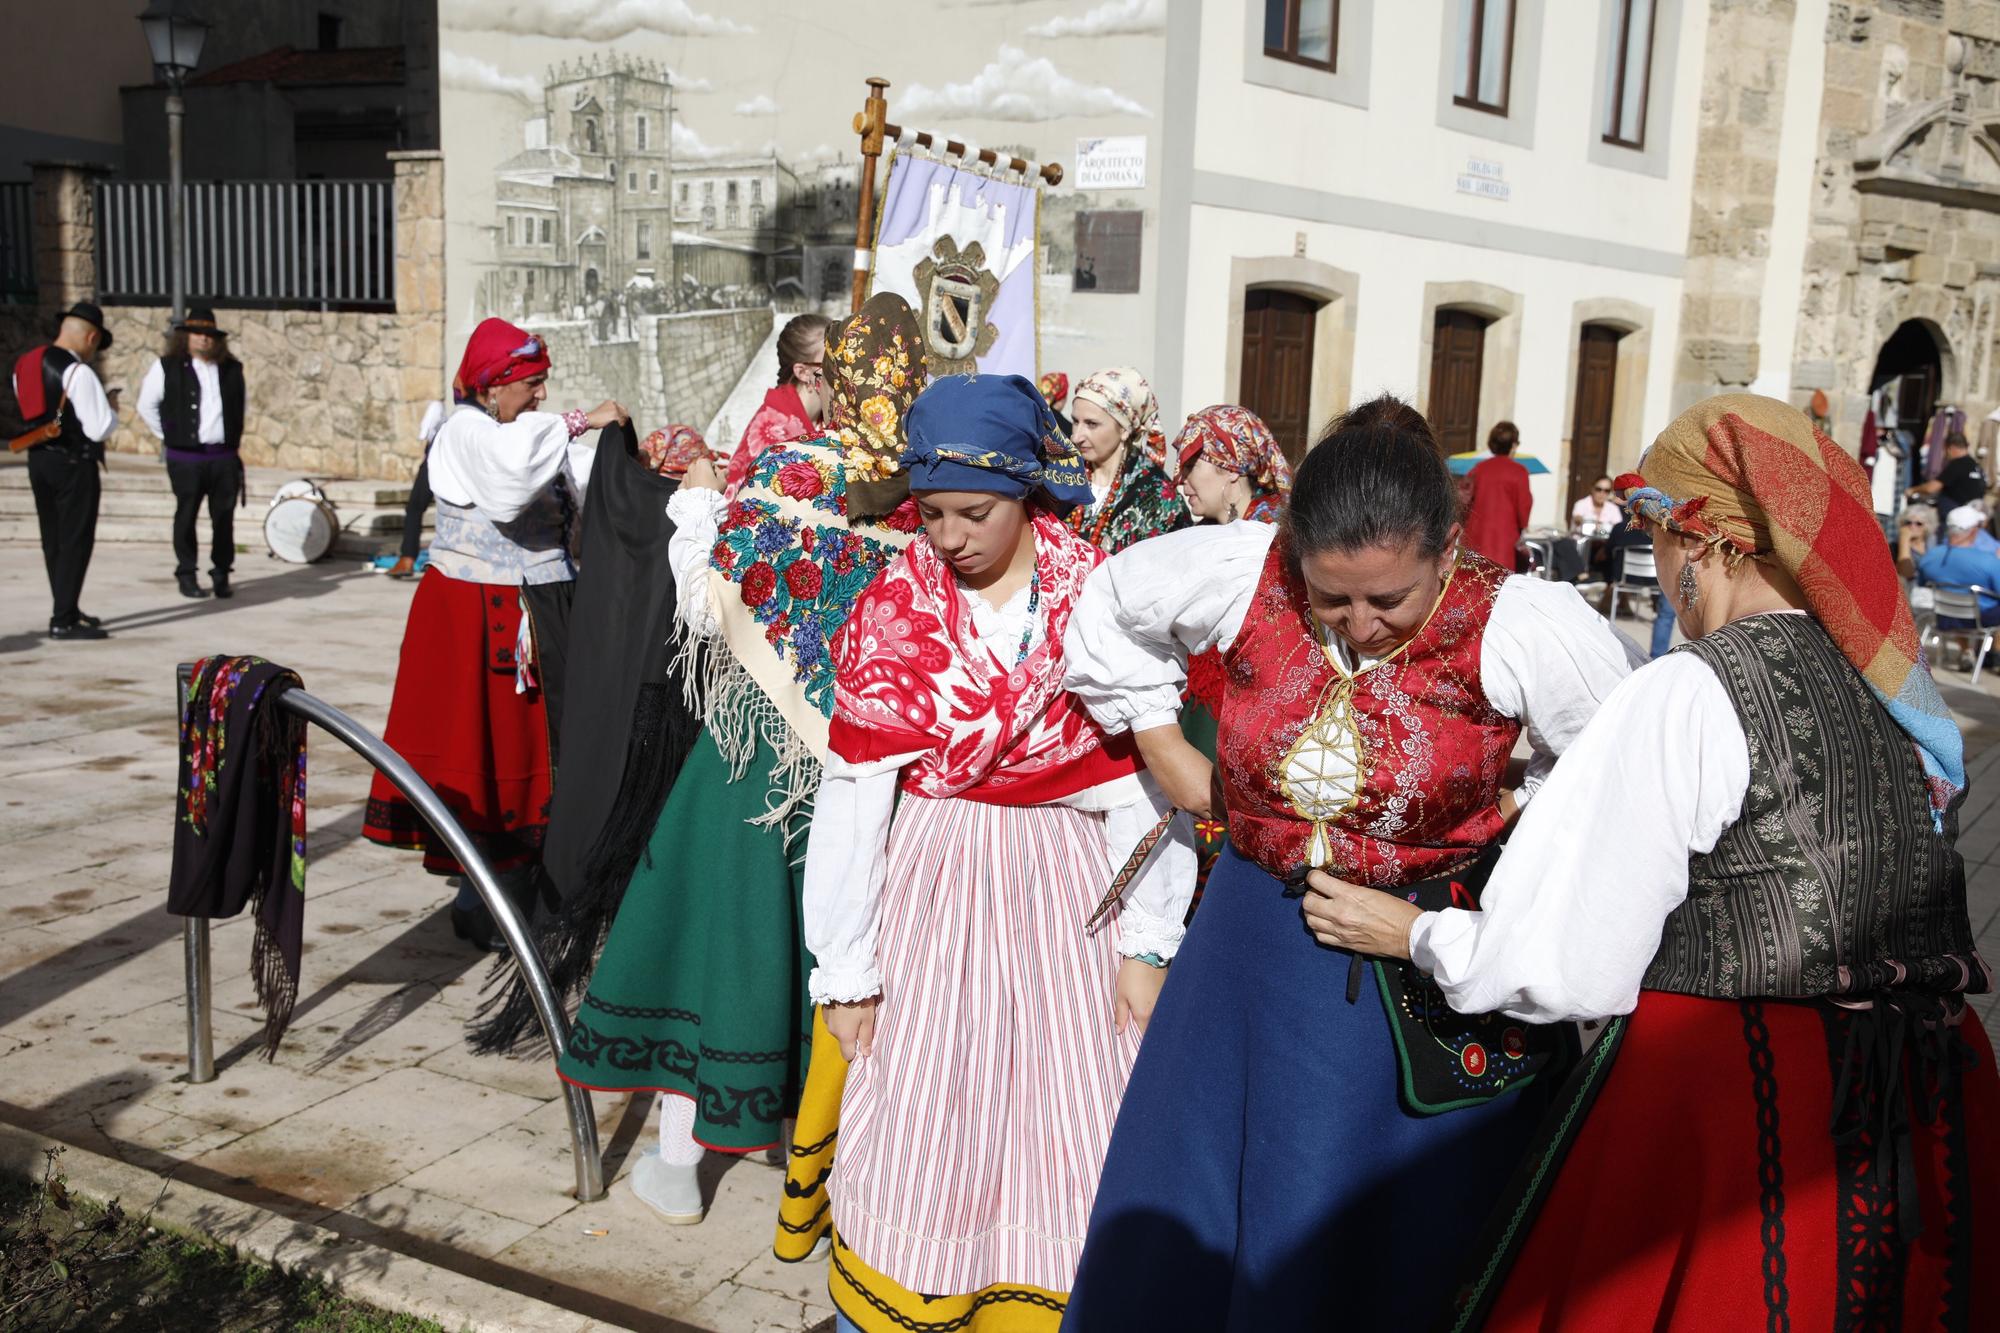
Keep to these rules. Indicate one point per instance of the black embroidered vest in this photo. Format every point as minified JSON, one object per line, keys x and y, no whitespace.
{"x":1833,"y":880}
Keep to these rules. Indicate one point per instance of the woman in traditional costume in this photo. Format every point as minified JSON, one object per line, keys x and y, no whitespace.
{"x":991,"y":1017}
{"x":1305,"y":1135}
{"x":700,"y":992}
{"x":1795,"y":1121}
{"x":1115,"y":423}
{"x":1229,"y":469}
{"x":794,"y":409}
{"x":476,"y":704}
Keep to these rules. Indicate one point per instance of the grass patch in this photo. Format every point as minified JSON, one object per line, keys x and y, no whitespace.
{"x":69,"y":1264}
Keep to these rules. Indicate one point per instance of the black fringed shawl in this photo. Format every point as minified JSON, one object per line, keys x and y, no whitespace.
{"x":626,"y":730}
{"x":240,"y":819}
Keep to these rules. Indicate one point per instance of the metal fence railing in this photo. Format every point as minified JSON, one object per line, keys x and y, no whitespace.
{"x":585,"y":1154}
{"x":314,"y":244}
{"x":17,"y":241}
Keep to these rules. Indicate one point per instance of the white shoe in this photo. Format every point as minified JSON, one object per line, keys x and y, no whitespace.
{"x":673,"y":1192}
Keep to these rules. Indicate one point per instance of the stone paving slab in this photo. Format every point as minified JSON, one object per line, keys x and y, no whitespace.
{"x":375,"y":1140}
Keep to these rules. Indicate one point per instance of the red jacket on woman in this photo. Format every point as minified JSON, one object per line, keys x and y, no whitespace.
{"x":1499,"y":510}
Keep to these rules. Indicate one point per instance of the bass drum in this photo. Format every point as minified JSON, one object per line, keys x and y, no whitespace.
{"x":300,"y":526}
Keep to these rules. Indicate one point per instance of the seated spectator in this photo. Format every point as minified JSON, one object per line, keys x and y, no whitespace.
{"x":1915,"y":531}
{"x":1959,"y":563}
{"x":1596,"y":514}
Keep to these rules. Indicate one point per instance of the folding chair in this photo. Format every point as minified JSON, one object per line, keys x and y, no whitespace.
{"x":1961,"y":603}
{"x":1639,"y":578}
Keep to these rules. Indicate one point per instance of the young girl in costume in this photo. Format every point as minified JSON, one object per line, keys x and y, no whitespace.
{"x":991,"y":1012}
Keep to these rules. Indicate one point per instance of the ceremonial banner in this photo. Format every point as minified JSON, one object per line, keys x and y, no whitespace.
{"x":960,"y":246}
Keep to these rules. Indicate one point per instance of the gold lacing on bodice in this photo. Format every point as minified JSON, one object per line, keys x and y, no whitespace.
{"x":1324,"y":770}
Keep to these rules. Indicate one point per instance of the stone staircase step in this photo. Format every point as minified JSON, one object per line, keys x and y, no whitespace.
{"x":138,"y":507}
{"x":351,"y":543}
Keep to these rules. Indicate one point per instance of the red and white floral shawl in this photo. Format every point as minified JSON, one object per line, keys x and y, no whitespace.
{"x":914,"y":678}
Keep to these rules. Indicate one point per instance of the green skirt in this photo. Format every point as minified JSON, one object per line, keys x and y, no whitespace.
{"x":701,"y":988}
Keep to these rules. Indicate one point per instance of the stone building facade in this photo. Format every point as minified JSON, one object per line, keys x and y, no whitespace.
{"x":1905,"y":209}
{"x":330,"y":393}
{"x":1864,"y":257}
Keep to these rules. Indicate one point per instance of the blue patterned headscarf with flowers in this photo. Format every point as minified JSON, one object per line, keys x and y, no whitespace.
{"x":996,"y":434}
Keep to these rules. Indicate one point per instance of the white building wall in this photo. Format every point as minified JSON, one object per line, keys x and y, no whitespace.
{"x":1373,"y":190}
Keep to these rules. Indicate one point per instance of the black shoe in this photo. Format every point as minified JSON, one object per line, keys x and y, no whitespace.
{"x":222,"y":588}
{"x":78,"y":631}
{"x":476,"y":928}
{"x":190,"y":588}
{"x":85,"y":618}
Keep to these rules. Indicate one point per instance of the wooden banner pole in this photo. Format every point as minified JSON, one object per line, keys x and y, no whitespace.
{"x":870,"y":123}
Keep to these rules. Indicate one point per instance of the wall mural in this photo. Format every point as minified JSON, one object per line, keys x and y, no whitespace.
{"x":657,"y":185}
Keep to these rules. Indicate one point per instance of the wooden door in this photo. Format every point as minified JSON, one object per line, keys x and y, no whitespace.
{"x":1458,"y":349}
{"x":1590,"y":430}
{"x":1278,"y":364}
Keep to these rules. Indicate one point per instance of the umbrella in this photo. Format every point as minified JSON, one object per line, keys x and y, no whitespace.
{"x":1464,"y":463}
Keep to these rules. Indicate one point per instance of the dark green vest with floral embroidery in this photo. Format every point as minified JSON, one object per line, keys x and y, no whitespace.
{"x":1833,"y":879}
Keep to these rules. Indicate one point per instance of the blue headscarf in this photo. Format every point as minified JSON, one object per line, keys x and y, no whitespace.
{"x":992,"y":433}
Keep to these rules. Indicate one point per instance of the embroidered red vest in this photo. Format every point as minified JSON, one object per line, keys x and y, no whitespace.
{"x":1434,"y":752}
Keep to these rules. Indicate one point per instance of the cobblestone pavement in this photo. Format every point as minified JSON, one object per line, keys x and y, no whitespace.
{"x":373,"y":1120}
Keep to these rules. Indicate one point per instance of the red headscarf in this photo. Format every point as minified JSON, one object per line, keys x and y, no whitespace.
{"x":1055,"y":387}
{"x":497,"y":353}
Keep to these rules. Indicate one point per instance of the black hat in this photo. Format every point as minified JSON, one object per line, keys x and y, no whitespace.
{"x":89,"y":314}
{"x":200,"y":319}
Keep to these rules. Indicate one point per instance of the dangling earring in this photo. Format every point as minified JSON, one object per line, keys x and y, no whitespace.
{"x":1232,"y":513}
{"x":1690,"y":591}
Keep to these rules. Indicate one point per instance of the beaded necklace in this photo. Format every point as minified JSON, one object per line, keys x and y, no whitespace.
{"x":1034,"y":604}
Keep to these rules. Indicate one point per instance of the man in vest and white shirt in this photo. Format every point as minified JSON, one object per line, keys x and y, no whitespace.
{"x":55,"y":385}
{"x":193,"y":400}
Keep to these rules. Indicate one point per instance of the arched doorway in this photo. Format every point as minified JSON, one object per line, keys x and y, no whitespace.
{"x":1908,"y":378}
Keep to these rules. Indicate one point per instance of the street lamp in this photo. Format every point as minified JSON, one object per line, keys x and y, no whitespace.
{"x":175,"y":38}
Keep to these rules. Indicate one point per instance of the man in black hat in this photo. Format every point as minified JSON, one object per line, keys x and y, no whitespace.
{"x":56,"y":383}
{"x":193,"y":400}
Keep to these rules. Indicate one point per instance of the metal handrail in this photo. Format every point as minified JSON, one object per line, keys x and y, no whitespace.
{"x":583,"y":1145}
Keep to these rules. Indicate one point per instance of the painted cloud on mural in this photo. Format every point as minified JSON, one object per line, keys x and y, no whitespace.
{"x":1112,"y":18}
{"x":1015,"y":86}
{"x":470,"y":74}
{"x":587,"y":20}
{"x":763,"y":104}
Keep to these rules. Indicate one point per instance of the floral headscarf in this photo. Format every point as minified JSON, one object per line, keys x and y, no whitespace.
{"x":1754,"y":479}
{"x":1124,"y":393}
{"x":875,"y":370}
{"x":669,"y":452}
{"x":1236,"y":440}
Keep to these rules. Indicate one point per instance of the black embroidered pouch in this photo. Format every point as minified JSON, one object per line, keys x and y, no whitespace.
{"x":1448,"y":1060}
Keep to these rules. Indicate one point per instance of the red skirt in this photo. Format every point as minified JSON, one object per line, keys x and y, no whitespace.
{"x":1706,"y":1189}
{"x":455,"y":716}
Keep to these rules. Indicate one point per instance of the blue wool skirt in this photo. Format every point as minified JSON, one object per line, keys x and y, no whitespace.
{"x":1264,"y":1173}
